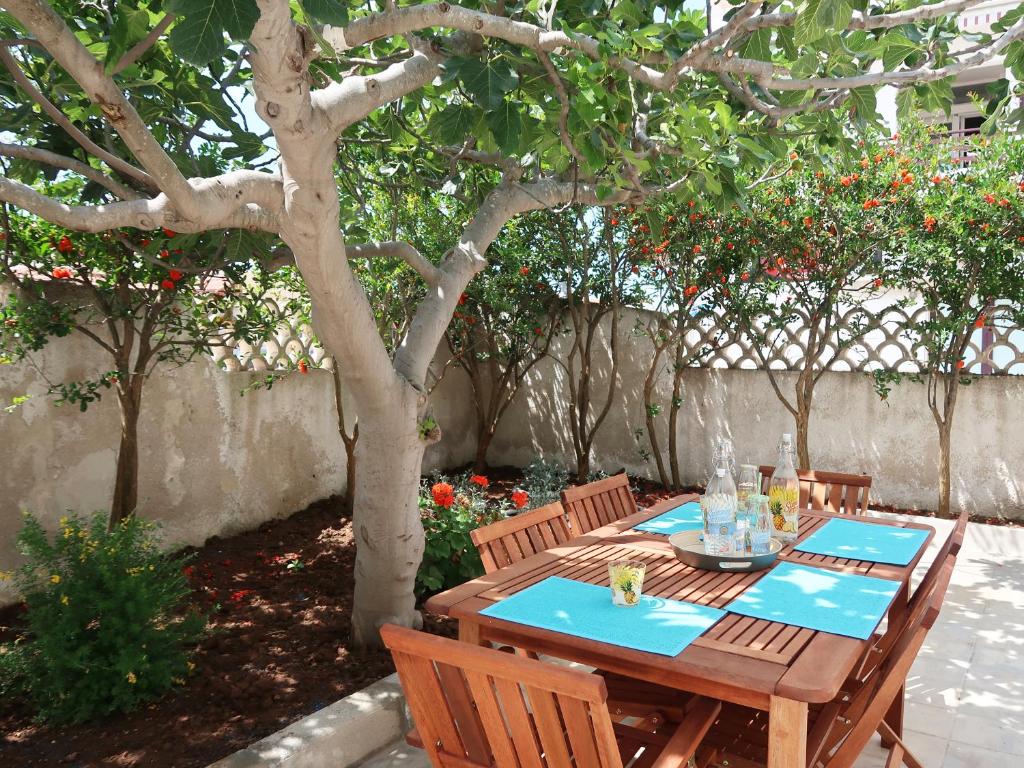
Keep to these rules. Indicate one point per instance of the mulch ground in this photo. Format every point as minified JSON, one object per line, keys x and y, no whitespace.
{"x":277,"y":650}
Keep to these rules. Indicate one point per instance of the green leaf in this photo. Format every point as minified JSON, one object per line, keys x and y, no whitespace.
{"x":897,"y":49}
{"x":863,"y":102}
{"x":453,"y":123}
{"x":198,"y":33}
{"x":130,"y":26}
{"x":506,"y":124}
{"x":808,"y":28}
{"x":326,"y":11}
{"x":759,"y":46}
{"x":833,"y":15}
{"x":487,"y":81}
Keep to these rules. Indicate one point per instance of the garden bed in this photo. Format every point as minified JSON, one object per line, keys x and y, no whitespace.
{"x":280,"y":598}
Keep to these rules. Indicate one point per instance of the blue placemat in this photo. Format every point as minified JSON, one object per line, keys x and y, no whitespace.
{"x":829,"y":601}
{"x":585,"y":610}
{"x":686,"y":517}
{"x":865,"y":541}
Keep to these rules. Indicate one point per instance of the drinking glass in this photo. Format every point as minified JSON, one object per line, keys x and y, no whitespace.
{"x":627,"y":581}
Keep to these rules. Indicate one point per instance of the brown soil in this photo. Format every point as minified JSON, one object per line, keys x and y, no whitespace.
{"x":277,"y":649}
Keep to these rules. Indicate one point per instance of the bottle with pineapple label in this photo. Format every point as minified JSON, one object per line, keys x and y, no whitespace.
{"x":784,"y":494}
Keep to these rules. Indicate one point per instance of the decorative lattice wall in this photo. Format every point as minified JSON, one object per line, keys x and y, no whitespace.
{"x":884,"y":344}
{"x":293,"y":341}
{"x":997,"y":349}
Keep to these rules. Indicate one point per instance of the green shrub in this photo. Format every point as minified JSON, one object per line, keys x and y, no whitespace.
{"x":449,"y":510}
{"x":544,"y":481}
{"x":107,"y":629}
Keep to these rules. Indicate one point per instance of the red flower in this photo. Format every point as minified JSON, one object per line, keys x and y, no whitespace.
{"x":167,"y":285}
{"x":729,"y":246}
{"x":64,"y":245}
{"x":784,"y":222}
{"x":697,"y":249}
{"x":187,"y":571}
{"x":175,"y":275}
{"x":444,"y":495}
{"x":930,"y":223}
{"x":990,"y":198}
{"x":239,"y":595}
{"x":168,"y":232}
{"x":793,"y":155}
{"x":937,"y":179}
{"x":871,"y":203}
{"x":980,"y":322}
{"x":61,"y":273}
{"x":520,"y":498}
{"x":524,"y":270}
{"x":165,"y":254}
{"x":1003,"y":202}
{"x":808,"y":221}
{"x":908,"y":178}
{"x":959,"y":364}
{"x":540,"y":331}
{"x":480,"y":480}
{"x":462,"y":299}
{"x":879,"y":282}
{"x":846,"y":181}
{"x":303,"y":367}
{"x":745,"y":276}
{"x":615,"y":222}
{"x":144,"y":242}
{"x":787,"y":200}
{"x":691,"y":290}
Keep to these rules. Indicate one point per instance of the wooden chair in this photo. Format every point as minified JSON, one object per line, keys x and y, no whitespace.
{"x":516,"y":538}
{"x":835,"y":492}
{"x":599,"y":503}
{"x":475,"y":707}
{"x":839,"y":730}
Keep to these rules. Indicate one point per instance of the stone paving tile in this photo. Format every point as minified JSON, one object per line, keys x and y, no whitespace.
{"x":965,"y":693}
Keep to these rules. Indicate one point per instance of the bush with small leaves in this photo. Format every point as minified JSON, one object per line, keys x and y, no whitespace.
{"x":108,"y":627}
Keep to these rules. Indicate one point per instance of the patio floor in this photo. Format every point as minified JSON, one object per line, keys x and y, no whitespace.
{"x":965,"y":694}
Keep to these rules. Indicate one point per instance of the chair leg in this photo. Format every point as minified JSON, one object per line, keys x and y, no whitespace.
{"x":899,"y":752}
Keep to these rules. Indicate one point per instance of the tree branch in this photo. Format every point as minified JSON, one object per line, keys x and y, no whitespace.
{"x":115,"y":162}
{"x":50,"y":30}
{"x":397,"y":249}
{"x":45,"y":157}
{"x":134,"y":53}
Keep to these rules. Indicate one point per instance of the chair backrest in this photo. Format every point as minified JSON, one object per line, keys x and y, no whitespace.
{"x":867,"y":707}
{"x":598,"y":503}
{"x":839,"y":741}
{"x":516,"y":538}
{"x":475,"y":706}
{"x":835,"y":492}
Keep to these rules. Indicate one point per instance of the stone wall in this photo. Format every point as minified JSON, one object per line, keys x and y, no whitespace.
{"x":212,"y":460}
{"x":216,"y":462}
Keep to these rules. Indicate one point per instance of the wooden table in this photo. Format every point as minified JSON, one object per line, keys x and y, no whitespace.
{"x":774,"y":667}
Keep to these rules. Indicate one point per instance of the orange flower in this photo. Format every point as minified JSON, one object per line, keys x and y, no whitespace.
{"x":846,"y":181}
{"x":691,"y":290}
{"x":520,"y":498}
{"x":959,"y":365}
{"x":871,"y":203}
{"x":937,"y":179}
{"x":64,"y":245}
{"x":980,"y":322}
{"x":990,"y":198}
{"x":808,"y":221}
{"x":444,"y":495}
{"x":696,"y":249}
{"x":303,"y":367}
{"x":480,"y":480}
{"x":61,"y":273}
{"x":524,"y":270}
{"x":929,"y":223}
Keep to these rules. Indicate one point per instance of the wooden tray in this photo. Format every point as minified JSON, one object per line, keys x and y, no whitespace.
{"x":690,"y":549}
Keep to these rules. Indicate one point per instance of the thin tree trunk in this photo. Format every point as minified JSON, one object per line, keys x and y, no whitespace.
{"x":349,"y":441}
{"x":126,"y":479}
{"x":804,"y":395}
{"x":945,"y":430}
{"x":673,"y":416}
{"x":386,"y":518}
{"x":651,"y":418}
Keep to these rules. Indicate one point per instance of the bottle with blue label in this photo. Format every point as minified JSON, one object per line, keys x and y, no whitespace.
{"x":719,"y":507}
{"x":759,"y":532}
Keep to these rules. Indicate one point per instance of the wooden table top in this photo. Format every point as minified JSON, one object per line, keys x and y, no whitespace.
{"x":740,"y":659}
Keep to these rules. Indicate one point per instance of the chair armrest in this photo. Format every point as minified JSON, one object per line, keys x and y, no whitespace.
{"x":683,"y":743}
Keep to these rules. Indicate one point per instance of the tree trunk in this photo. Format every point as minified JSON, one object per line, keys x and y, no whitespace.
{"x":349,"y":441}
{"x":126,"y":479}
{"x":484,"y":436}
{"x":649,"y":413}
{"x":945,"y":430}
{"x":386,"y":519}
{"x":804,"y":395}
{"x":673,"y":417}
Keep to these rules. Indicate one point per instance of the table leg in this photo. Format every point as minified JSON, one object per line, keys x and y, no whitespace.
{"x":469,"y":632}
{"x":894,"y":717}
{"x":787,"y":733}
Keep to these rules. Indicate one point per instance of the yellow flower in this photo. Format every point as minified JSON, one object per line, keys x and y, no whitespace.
{"x":130,"y":677}
{"x":64,"y":599}
{"x":55,"y":579}
{"x":64,"y":522}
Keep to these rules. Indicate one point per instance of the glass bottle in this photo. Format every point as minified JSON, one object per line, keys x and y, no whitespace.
{"x":719,"y":507}
{"x":759,"y":533}
{"x":723,"y":453}
{"x":746,"y":486}
{"x":784,"y":494}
